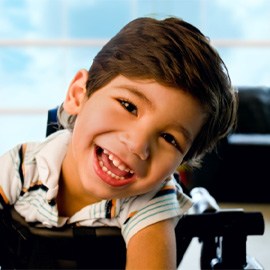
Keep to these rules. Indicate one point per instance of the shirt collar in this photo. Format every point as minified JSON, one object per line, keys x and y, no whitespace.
{"x":49,"y":160}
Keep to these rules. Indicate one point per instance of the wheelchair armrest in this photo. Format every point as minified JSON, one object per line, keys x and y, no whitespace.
{"x":220,"y":223}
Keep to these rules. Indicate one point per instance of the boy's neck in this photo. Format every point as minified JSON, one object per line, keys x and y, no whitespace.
{"x":69,"y":202}
{"x":70,"y":199}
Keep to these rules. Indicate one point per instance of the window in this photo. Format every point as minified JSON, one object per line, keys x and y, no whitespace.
{"x":43,"y":43}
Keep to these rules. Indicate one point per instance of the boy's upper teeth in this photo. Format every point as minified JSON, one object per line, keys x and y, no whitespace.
{"x":117,"y":163}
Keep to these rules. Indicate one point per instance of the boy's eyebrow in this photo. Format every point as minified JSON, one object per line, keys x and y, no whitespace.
{"x":184,"y":131}
{"x":135,"y":91}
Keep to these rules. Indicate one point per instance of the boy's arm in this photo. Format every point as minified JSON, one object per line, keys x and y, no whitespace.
{"x":10,"y":176}
{"x":154,"y":247}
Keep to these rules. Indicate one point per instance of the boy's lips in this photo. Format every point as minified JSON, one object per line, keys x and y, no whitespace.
{"x":111,"y":169}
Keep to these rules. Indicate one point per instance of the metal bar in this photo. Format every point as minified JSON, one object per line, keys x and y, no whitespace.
{"x":23,"y":111}
{"x":101,"y":42}
{"x":52,"y":42}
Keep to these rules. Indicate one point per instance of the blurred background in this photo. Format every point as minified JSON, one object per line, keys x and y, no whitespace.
{"x":43,"y":43}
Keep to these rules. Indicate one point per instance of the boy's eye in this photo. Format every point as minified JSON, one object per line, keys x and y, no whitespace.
{"x":130,"y":107}
{"x":170,"y":139}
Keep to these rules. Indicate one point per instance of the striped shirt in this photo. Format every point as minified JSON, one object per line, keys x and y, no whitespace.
{"x":29,"y":181}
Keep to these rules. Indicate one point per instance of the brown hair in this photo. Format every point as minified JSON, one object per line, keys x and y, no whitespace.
{"x":173,"y":53}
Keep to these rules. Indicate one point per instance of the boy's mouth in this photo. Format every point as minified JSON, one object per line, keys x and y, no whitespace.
{"x":112,"y":165}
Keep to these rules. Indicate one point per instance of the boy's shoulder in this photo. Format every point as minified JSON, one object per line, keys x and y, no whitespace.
{"x":55,"y":141}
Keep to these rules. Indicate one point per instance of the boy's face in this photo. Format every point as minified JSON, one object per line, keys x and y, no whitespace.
{"x":129,"y":136}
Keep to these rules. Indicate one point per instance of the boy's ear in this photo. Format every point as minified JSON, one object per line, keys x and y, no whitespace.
{"x":76,"y":93}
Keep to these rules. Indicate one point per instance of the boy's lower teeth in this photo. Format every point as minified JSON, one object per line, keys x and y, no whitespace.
{"x":106,"y":170}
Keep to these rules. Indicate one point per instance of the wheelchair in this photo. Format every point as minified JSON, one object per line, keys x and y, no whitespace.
{"x":221,"y":232}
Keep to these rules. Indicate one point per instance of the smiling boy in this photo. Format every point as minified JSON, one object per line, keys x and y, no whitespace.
{"x":157,"y":95}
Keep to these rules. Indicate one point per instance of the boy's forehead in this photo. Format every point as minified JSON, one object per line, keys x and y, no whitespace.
{"x":147,"y":89}
{"x":138,"y":84}
{"x":143,"y":87}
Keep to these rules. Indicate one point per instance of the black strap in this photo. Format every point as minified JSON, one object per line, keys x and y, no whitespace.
{"x":21,"y":164}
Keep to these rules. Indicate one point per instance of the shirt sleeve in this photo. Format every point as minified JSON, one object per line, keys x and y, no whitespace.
{"x":10,"y":176}
{"x":166,"y":203}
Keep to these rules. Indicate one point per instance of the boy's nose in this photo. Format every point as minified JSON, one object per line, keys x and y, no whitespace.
{"x":137,"y":144}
